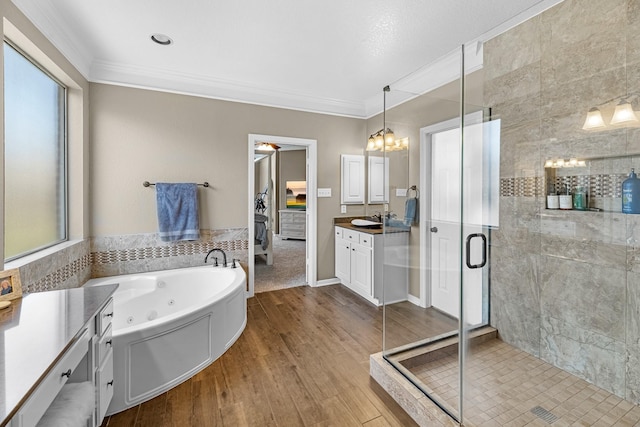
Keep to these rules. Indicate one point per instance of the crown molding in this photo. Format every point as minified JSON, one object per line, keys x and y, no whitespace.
{"x":428,"y":78}
{"x":198,"y":85}
{"x":47,"y":20}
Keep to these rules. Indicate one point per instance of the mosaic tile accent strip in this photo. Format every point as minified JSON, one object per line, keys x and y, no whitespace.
{"x":599,"y":185}
{"x":154,"y":252}
{"x":53,"y":280}
{"x":521,"y":187}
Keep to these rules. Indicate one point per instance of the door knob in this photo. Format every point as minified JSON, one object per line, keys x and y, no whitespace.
{"x":434,"y":229}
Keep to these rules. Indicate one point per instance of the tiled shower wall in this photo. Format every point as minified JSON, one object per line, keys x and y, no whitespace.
{"x":113,"y":255}
{"x":565,"y":285}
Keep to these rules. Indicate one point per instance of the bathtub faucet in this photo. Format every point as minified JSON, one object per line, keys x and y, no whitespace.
{"x":224,"y":256}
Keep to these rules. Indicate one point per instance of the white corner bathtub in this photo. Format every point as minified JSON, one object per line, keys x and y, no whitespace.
{"x":169,"y":325}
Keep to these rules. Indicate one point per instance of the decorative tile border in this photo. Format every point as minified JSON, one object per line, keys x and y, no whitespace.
{"x":598,"y":185}
{"x":53,"y":280}
{"x":154,"y":252}
{"x":521,"y":187}
{"x":112,"y":255}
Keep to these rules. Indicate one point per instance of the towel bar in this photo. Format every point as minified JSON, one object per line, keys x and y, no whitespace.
{"x":147,"y":184}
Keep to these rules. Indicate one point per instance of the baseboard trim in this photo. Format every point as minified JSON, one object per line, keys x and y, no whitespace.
{"x":413,"y":300}
{"x":326,"y":282}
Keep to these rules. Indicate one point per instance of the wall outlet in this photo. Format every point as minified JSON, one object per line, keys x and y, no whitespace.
{"x":401,"y":192}
{"x":324,"y":192}
{"x":343,"y":208}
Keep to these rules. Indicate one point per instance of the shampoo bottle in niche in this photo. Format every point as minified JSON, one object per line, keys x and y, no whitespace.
{"x":631,"y":194}
{"x":566,"y":200}
{"x":553,"y":201}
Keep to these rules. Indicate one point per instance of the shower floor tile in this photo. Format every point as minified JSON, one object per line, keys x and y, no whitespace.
{"x":509,"y":387}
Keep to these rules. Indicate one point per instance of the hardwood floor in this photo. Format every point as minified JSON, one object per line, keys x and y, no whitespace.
{"x":303,"y":360}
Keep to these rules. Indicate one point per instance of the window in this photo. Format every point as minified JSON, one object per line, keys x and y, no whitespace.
{"x":35,"y":205}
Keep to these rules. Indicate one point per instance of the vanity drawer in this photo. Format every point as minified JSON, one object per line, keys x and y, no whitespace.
{"x":105,"y":343}
{"x":104,"y":318}
{"x":39,"y":402}
{"x":366,"y":240}
{"x":104,"y":383}
{"x":351,"y":236}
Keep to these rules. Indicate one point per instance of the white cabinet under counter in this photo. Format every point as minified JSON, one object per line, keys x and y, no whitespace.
{"x":56,"y":345}
{"x":361,"y":264}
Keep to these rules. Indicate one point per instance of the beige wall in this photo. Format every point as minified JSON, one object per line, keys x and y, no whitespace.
{"x":140,"y":135}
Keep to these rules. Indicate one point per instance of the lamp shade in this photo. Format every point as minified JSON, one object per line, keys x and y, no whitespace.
{"x":623,"y":113}
{"x":594,"y":119}
{"x":371,"y":144}
{"x":389,"y":137}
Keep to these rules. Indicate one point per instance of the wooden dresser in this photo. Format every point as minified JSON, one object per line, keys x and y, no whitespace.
{"x":293,"y":224}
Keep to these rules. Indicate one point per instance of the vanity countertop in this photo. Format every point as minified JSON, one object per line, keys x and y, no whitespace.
{"x":35,"y":331}
{"x":345,"y":222}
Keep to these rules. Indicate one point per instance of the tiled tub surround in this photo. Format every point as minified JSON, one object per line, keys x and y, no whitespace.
{"x":136,"y":253}
{"x":66,"y":268}
{"x":76,"y":263}
{"x":565,"y":285}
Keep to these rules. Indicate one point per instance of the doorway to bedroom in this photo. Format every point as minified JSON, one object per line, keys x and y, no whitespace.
{"x":281,"y":213}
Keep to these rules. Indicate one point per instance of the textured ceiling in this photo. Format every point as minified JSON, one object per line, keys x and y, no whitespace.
{"x":329,"y":56}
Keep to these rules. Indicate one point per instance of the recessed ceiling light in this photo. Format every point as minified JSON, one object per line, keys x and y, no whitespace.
{"x":161,"y":39}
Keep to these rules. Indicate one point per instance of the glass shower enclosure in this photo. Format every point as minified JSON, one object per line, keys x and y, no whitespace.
{"x":444,"y":196}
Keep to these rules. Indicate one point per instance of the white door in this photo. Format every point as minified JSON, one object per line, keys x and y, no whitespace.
{"x":445,"y":221}
{"x":456,"y":227}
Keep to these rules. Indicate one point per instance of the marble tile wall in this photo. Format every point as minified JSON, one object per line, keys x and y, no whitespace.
{"x":565,"y":285}
{"x":115,"y":255}
{"x":64,"y":269}
{"x":72,"y":266}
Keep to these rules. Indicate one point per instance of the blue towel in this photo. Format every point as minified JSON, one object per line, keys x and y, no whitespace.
{"x":177,"y":211}
{"x":411,"y":211}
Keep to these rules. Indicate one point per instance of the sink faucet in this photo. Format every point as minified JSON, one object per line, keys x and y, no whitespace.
{"x":377,"y":216}
{"x":224,"y":256}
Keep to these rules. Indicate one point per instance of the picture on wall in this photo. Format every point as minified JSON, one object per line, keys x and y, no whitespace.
{"x":297,"y":195}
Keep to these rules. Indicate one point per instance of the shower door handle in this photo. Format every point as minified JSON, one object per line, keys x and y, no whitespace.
{"x":484,"y":250}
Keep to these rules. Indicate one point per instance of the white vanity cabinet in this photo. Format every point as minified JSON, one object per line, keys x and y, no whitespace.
{"x":104,"y":361}
{"x":361,"y":265}
{"x":61,"y":363}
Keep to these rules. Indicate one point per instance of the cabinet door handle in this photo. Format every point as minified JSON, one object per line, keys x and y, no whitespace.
{"x":110,"y":383}
{"x":434,"y":229}
{"x":109,"y":343}
{"x":108,"y":314}
{"x":67,"y":374}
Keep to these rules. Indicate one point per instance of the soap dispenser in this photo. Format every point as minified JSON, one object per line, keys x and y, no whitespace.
{"x":631,"y":194}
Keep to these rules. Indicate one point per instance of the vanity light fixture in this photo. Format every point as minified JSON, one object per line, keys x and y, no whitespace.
{"x":565,"y":163}
{"x":594,"y":119}
{"x":623,"y":114}
{"x":385,"y":140}
{"x":161,"y":39}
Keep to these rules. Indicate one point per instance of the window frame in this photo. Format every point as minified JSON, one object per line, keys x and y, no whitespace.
{"x":64,"y":163}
